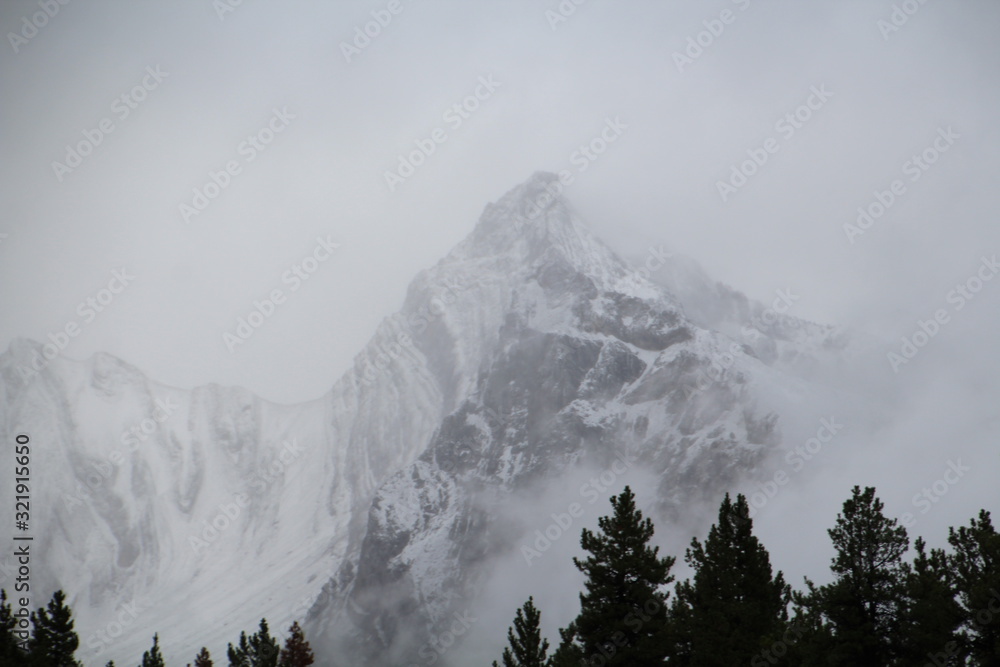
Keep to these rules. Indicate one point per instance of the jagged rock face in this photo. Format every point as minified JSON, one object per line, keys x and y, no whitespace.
{"x":588,"y":362}
{"x":530,"y":349}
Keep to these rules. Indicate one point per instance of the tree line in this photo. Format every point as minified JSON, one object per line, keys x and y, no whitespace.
{"x":937,"y":609}
{"x":53,"y":642}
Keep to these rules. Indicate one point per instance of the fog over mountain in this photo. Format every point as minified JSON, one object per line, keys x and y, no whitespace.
{"x":530,"y":353}
{"x":356,"y":314}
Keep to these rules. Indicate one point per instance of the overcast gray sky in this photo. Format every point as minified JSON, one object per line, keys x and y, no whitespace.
{"x":874,"y":83}
{"x":686,"y":123}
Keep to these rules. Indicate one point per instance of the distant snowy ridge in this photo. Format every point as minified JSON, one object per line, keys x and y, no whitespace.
{"x":529,"y":349}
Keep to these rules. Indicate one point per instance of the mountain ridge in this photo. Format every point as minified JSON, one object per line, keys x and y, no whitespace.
{"x":529,"y":349}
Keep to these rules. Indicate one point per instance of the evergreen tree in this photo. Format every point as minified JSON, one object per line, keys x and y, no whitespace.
{"x":264,"y":648}
{"x":203,"y":659}
{"x":238,"y":655}
{"x":296,"y":652}
{"x":623,"y":612}
{"x":258,"y":650}
{"x":53,"y":640}
{"x":527,"y":647}
{"x":808,"y":640}
{"x":569,"y":653}
{"x":864,"y":604}
{"x":10,"y":650}
{"x":152,"y":657}
{"x":932,"y":616}
{"x":976,"y":567}
{"x":679,"y":636}
{"x":735,"y":606}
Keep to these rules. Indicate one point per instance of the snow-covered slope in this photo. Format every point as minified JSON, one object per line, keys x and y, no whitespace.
{"x":529,"y":350}
{"x":170,"y":501}
{"x":577,"y":359}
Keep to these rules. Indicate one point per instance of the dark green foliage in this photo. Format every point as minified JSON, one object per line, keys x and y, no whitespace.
{"x":943,"y":609}
{"x":864,"y":604}
{"x":297,"y":652}
{"x":569,"y":653}
{"x":10,"y":653}
{"x":932,"y":616}
{"x":152,"y":657}
{"x":258,"y":650}
{"x":976,"y":567}
{"x":203,"y":659}
{"x":623,"y":612}
{"x":526,"y":646}
{"x":53,"y":640}
{"x":808,"y":640}
{"x":239,"y":655}
{"x":734,"y":606}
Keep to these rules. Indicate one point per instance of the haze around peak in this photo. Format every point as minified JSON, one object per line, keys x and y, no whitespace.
{"x":604,"y":95}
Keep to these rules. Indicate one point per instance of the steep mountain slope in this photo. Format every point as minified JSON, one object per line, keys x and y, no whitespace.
{"x":168,"y":502}
{"x":771,"y":331}
{"x":580,"y":361}
{"x":529,"y":351}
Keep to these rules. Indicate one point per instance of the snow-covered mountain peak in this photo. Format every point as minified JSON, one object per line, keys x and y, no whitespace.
{"x":529,"y":350}
{"x":533,"y":230}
